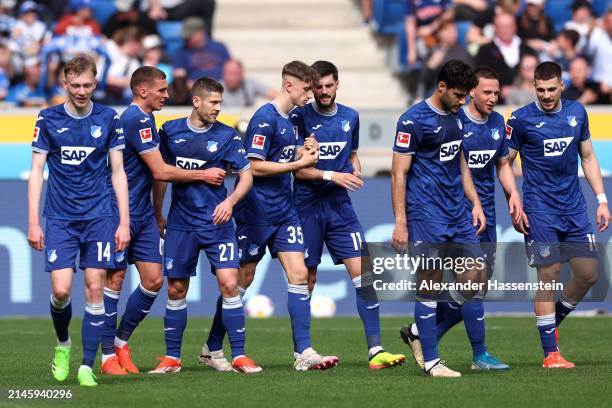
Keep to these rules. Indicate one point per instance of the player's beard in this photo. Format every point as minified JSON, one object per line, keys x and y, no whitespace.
{"x":322,"y":106}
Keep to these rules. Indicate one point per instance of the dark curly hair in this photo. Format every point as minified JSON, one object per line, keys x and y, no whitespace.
{"x":457,"y":74}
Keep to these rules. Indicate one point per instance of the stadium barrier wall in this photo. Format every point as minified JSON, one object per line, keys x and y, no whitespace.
{"x":25,"y":287}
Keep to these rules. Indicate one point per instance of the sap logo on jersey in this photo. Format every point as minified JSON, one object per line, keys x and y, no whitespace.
{"x":75,"y":155}
{"x":479,"y":158}
{"x":330,"y":150}
{"x":556,"y":147}
{"x":189,"y":164}
{"x":287,"y":154}
{"x":449,"y":150}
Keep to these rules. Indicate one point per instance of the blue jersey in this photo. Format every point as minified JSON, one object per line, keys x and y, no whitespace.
{"x":270,"y":136}
{"x":549,"y":147}
{"x":189,"y":148}
{"x":484,"y":145}
{"x":434,"y":191}
{"x":77,"y":149}
{"x":141,"y":137}
{"x":337,"y":133}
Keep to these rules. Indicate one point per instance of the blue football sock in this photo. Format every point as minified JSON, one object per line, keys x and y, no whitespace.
{"x":368,"y":310}
{"x":546,"y":326}
{"x":452,"y":317}
{"x":563,"y":307}
{"x":298,"y":304}
{"x":138,"y":306}
{"x":175,"y":322}
{"x":111,"y":299}
{"x":425,"y":317}
{"x":217,"y":330}
{"x":474,"y":320}
{"x":232,"y":314}
{"x":61,"y":313}
{"x":91,"y":332}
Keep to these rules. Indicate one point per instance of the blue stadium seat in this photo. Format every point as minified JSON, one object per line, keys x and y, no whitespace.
{"x":170,"y":33}
{"x":103,"y":10}
{"x":462,"y":30}
{"x":559,"y":11}
{"x":600,"y":6}
{"x":387,"y":15}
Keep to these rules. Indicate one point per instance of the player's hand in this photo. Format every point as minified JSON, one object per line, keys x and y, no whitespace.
{"x":223,"y":212}
{"x":161,"y":224}
{"x":399,"y":239}
{"x":122,"y":238}
{"x":311,"y":143}
{"x":603,"y":217}
{"x":309,"y":158}
{"x":213,"y":176}
{"x":36,"y":237}
{"x":523,"y":225}
{"x":357,"y":173}
{"x":478,"y":219}
{"x":347,"y":181}
{"x":516,"y":207}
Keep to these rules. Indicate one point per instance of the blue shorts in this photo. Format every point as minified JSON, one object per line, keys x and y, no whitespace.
{"x":335,"y":223}
{"x":93,"y":240}
{"x":253,"y":239}
{"x":182,"y":250}
{"x":555,"y":238}
{"x":145,"y":243}
{"x":456,"y":239}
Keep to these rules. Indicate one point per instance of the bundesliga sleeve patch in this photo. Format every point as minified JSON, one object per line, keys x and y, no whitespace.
{"x":36,"y":132}
{"x":508,"y":132}
{"x":258,"y":142}
{"x":146,"y":135}
{"x":403,"y":139}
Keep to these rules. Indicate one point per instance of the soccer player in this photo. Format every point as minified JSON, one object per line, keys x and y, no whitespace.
{"x":75,"y":140}
{"x":486,"y":152}
{"x":268,"y":217}
{"x":324,"y":206}
{"x":429,"y":178}
{"x":143,"y":163}
{"x":200,"y":219}
{"x":551,"y":133}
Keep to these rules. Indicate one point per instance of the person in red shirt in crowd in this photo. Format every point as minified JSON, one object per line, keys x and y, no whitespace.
{"x":81,"y":22}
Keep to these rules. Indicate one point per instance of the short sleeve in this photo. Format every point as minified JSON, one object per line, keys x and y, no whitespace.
{"x":503,"y":151}
{"x":408,"y":8}
{"x":40,"y":139}
{"x":163,"y":145}
{"x":235,"y":155}
{"x":141,"y":134}
{"x":585,"y":133}
{"x":117,"y":137}
{"x":355,"y":138}
{"x":258,"y":139}
{"x":407,"y":136}
{"x":514,"y":133}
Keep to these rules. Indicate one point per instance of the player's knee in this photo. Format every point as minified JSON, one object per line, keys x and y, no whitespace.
{"x":153,"y":284}
{"x":298,"y":275}
{"x":177,"y":292}
{"x":229,"y":287}
{"x":94,"y":290}
{"x":114,"y":280}
{"x":61,"y":294}
{"x":588,"y":278}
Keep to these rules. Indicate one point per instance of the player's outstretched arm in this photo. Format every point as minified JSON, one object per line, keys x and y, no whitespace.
{"x":164,"y":172}
{"x":469,"y":189}
{"x":505,"y":175}
{"x":223,"y":212}
{"x":590,"y":166}
{"x":399,"y":169}
{"x":36,"y":238}
{"x":120,"y":185}
{"x":159,"y":192}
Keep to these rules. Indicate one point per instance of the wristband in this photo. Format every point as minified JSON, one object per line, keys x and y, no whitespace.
{"x":327,"y":175}
{"x":601,"y":198}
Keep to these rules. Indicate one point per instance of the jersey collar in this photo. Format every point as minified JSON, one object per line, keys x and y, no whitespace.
{"x":139,"y":108}
{"x":473,"y":119}
{"x":316,"y":109}
{"x":433,"y":108}
{"x":197,"y":130}
{"x":537,"y":103}
{"x":279,"y":111}
{"x":72,"y":115}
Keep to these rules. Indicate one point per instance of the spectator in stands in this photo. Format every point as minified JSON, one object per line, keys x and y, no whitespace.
{"x":27,"y":93}
{"x":534,"y":27}
{"x":81,"y":22}
{"x":581,"y":88}
{"x":239,"y":91}
{"x":57,"y":94}
{"x":153,"y":54}
{"x":129,"y":13}
{"x":422,"y":19}
{"x":200,"y":56}
{"x":446,"y":50}
{"x":7,"y":21}
{"x":479,"y":12}
{"x":599,"y":49}
{"x":5,"y":70}
{"x":27,"y":35}
{"x":582,"y":20}
{"x":503,"y":54}
{"x":123,"y":51}
{"x":522,"y":91}
{"x":564,"y":49}
{"x":173,"y":10}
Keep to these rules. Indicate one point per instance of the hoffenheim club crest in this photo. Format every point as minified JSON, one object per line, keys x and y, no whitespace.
{"x":495,"y":134}
{"x":571,"y":120}
{"x":169,"y":263}
{"x":96,"y":131}
{"x":212,"y":146}
{"x":52,"y":255}
{"x":346,"y":126}
{"x":120,"y":256}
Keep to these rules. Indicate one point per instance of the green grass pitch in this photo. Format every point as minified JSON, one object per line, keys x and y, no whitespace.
{"x":27,"y":351}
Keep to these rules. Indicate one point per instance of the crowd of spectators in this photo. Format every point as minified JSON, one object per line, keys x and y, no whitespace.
{"x":38,"y":37}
